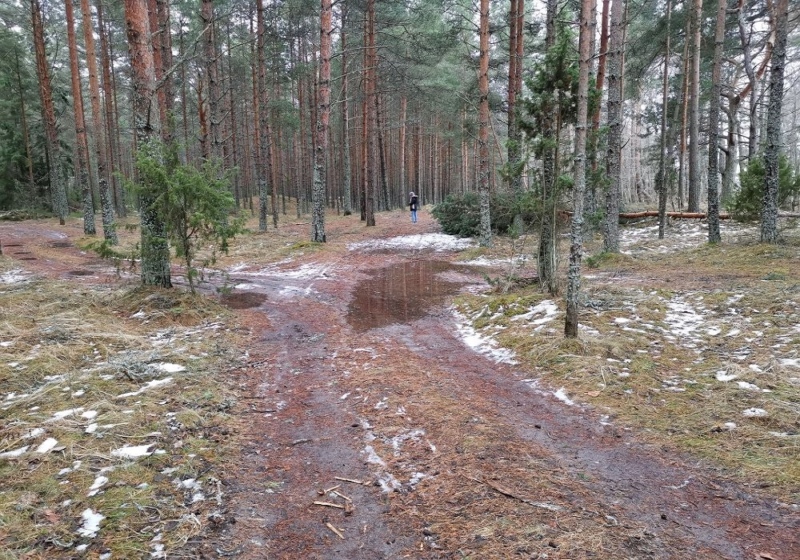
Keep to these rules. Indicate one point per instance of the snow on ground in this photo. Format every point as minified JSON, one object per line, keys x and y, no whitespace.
{"x":438,"y":242}
{"x":681,"y":234}
{"x":16,"y":276}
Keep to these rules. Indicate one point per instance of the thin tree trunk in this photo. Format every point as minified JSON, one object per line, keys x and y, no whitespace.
{"x":713,"y":126}
{"x":684,"y":114}
{"x":663,"y":178}
{"x":112,"y":158}
{"x":614,"y":149}
{"x":483,"y":134}
{"x":370,"y":170}
{"x":347,"y":179}
{"x":769,"y":216}
{"x":548,"y":276}
{"x":265,"y":153}
{"x":694,"y":111}
{"x":154,"y":244}
{"x":82,"y":145}
{"x":109,"y":227}
{"x":23,"y":111}
{"x":576,"y":243}
{"x":57,"y":185}
{"x":323,"y":117}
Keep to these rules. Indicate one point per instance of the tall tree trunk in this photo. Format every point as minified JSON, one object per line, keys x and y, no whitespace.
{"x":347,"y":179}
{"x":713,"y":126}
{"x":109,"y":227}
{"x":23,"y":113}
{"x":694,"y":111}
{"x":370,"y":169}
{"x":547,"y":265}
{"x":576,"y":236}
{"x":265,"y":153}
{"x":58,"y":188}
{"x":516,"y":21}
{"x":684,"y":103}
{"x":614,"y":149}
{"x":82,"y":144}
{"x":112,"y":158}
{"x":163,"y":67}
{"x":483,"y":133}
{"x":663,"y":174}
{"x":154,"y":244}
{"x":323,"y":117}
{"x":769,"y":215}
{"x":212,"y":77}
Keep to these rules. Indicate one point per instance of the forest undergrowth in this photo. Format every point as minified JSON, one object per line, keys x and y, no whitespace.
{"x":696,"y":347}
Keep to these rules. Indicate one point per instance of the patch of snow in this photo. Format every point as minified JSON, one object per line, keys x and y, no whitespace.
{"x":132,"y":452}
{"x":97,"y":485}
{"x":435,"y":241}
{"x":149,"y":385}
{"x":170,"y":368}
{"x":482,"y":344}
{"x":547,"y":308}
{"x":16,"y":276}
{"x":14,"y":453}
{"x":34,"y":433}
{"x":793,"y":362}
{"x":398,"y":440}
{"x":561,"y":395}
{"x":64,"y":413}
{"x":91,"y":523}
{"x":373,"y":457}
{"x":724,"y":376}
{"x":388,"y":483}
{"x":47,"y":445}
{"x":754,"y":413}
{"x":748,"y":386}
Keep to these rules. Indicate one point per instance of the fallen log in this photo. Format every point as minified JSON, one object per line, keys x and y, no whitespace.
{"x":678,"y":215}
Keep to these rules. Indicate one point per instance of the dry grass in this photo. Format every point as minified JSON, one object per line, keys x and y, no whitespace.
{"x":639,"y":364}
{"x":82,"y":349}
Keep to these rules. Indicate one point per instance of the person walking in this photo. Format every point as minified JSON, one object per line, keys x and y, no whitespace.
{"x":413,"y":203}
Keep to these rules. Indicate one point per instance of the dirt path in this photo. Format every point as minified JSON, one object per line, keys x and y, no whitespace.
{"x":461,"y":457}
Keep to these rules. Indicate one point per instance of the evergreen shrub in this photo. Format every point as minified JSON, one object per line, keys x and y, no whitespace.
{"x":747,"y":203}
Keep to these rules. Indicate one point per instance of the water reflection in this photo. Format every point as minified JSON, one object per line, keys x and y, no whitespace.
{"x":400,"y":293}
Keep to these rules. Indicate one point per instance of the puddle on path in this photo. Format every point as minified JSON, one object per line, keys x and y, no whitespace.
{"x":404,"y":292}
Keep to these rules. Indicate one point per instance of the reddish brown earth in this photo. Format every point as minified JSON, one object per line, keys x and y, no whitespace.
{"x":365,"y":353}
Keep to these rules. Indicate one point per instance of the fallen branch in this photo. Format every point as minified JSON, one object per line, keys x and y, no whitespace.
{"x":335,"y":530}
{"x":349,"y":480}
{"x":508,"y":493}
{"x":328,"y":504}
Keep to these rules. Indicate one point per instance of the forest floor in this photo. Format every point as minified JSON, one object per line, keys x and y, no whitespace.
{"x":398,"y":393}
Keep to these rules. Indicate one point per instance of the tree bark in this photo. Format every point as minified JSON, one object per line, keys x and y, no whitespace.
{"x":546,"y":258}
{"x":147,"y":125}
{"x":107,"y":210}
{"x":483,"y":131}
{"x":265,"y":152}
{"x":614,"y":149}
{"x":576,"y":242}
{"x":694,"y":111}
{"x":713,"y":126}
{"x":347,"y":179}
{"x":370,"y":170}
{"x":81,"y":142}
{"x":323,"y":117}
{"x":663,"y":179}
{"x":58,"y":189}
{"x":769,"y":215}
{"x":112,"y":154}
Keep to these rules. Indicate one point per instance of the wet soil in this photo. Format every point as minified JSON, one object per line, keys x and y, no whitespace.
{"x":360,"y":395}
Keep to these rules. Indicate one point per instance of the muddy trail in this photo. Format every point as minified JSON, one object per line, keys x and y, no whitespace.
{"x":369,"y":429}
